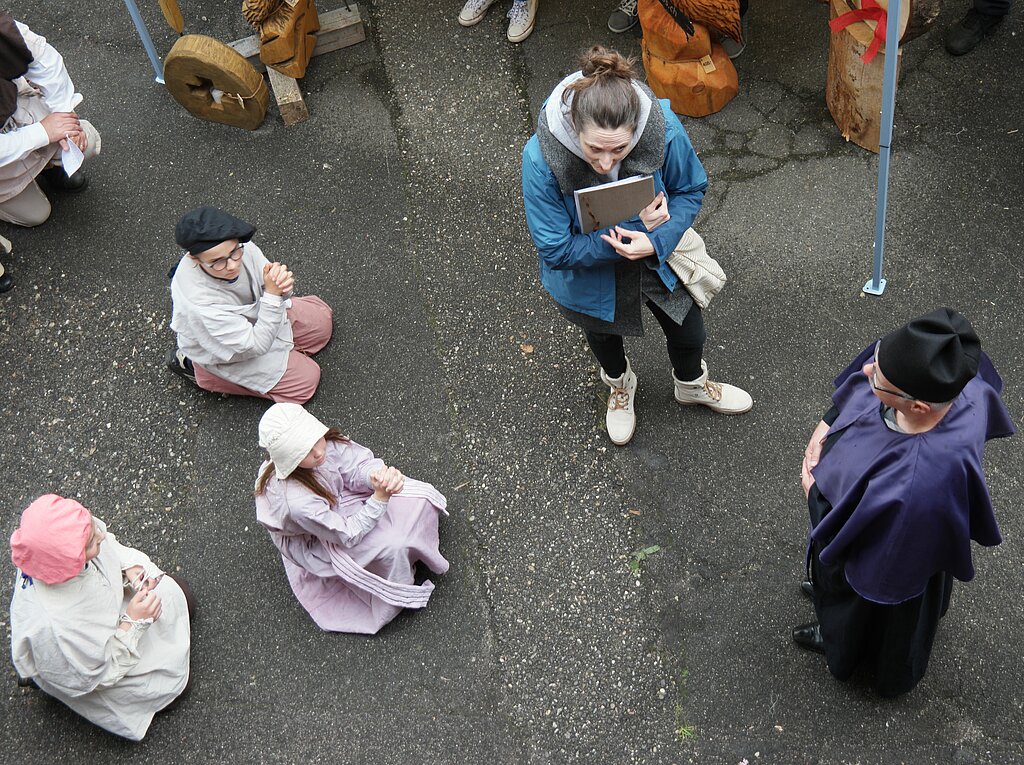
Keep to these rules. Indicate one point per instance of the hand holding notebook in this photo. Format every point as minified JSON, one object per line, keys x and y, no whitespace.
{"x":612,"y":203}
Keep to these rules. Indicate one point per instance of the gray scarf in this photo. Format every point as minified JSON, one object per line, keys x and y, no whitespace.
{"x":572,"y":172}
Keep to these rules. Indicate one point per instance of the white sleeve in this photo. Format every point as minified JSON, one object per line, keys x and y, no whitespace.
{"x":18,"y":143}
{"x":48,"y":73}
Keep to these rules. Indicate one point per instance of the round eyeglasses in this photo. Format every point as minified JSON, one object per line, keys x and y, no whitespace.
{"x":221,"y":263}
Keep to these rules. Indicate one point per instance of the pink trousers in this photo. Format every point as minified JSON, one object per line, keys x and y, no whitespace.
{"x":310,"y":318}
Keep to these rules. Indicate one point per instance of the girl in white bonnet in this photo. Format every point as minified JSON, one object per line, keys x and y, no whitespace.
{"x":349,"y":528}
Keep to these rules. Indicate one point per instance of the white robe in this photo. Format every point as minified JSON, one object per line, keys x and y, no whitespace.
{"x":65,"y":637}
{"x":232,"y":329}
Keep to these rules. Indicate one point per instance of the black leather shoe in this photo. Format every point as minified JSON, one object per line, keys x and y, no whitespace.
{"x":809,"y":636}
{"x":57,"y":180}
{"x":6,"y":282}
{"x":963,"y":37}
{"x":807,"y":588}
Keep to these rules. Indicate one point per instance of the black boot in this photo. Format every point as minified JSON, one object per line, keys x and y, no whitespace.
{"x":57,"y":180}
{"x":964,"y":36}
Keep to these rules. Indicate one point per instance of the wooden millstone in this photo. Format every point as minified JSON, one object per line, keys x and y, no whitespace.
{"x":198,"y":64}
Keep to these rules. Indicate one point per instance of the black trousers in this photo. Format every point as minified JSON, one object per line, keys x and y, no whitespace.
{"x":992,"y":7}
{"x":685,"y":344}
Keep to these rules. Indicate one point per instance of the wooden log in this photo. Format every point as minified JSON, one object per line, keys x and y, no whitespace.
{"x":853,"y":89}
{"x":289,"y":98}
{"x":338,"y":29}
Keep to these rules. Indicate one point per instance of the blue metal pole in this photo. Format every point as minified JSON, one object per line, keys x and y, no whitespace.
{"x":876,"y":285}
{"x":147,"y":41}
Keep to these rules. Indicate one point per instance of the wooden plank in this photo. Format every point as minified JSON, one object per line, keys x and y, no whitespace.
{"x":289,"y":98}
{"x":338,"y":29}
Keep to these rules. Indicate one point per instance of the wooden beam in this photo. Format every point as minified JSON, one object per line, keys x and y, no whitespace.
{"x":289,"y":98}
{"x":338,"y":29}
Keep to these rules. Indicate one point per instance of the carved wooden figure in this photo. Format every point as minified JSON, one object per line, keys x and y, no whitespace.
{"x":287,"y":30}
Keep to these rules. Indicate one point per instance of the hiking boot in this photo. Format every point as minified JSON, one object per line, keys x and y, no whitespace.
{"x":181,"y":365}
{"x":623,"y":18}
{"x":963,"y":37}
{"x":473,"y":12}
{"x":620,"y":419}
{"x":720,"y":397}
{"x":733,"y":48}
{"x":520,"y":19}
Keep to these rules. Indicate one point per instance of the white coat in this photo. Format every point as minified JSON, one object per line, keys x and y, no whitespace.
{"x":65,"y":637}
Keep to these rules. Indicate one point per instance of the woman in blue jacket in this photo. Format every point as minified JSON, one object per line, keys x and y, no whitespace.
{"x":598,"y":125}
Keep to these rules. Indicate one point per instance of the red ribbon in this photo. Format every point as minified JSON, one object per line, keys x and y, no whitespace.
{"x":869,"y":11}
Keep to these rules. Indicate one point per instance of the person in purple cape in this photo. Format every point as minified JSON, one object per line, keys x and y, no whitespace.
{"x":896,"y":493}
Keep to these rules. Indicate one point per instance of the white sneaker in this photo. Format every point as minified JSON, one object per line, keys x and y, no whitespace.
{"x":720,"y":397}
{"x":474,"y":11}
{"x":620,"y":419}
{"x":521,"y":18}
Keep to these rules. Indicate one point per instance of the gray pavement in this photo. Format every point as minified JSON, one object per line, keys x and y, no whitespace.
{"x":398,"y":202}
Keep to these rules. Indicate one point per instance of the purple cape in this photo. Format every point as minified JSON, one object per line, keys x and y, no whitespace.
{"x":906,"y":506}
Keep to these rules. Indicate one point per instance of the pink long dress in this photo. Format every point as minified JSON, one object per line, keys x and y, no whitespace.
{"x":351,"y":564}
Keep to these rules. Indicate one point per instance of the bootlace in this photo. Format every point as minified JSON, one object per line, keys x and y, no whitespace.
{"x":619,"y":399}
{"x":713,"y":389}
{"x":475,"y":6}
{"x":518,"y":13}
{"x":628,"y":7}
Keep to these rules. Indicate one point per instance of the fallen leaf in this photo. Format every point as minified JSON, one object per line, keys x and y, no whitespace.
{"x":634,"y":512}
{"x":526,"y":348}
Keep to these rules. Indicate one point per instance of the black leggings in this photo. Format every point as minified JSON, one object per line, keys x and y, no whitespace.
{"x":685,"y":345}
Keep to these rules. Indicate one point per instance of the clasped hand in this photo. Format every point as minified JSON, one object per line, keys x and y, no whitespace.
{"x":385,"y":482}
{"x":60,"y":126}
{"x":812,"y":454}
{"x":277,"y":279}
{"x":144,"y":605}
{"x":138,"y":580}
{"x":635,"y":245}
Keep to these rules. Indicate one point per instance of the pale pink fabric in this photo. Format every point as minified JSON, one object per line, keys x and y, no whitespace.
{"x":49,"y":545}
{"x":356,"y":587}
{"x":311,"y":320}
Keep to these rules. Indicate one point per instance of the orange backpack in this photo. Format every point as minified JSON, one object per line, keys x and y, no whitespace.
{"x":688,"y":69}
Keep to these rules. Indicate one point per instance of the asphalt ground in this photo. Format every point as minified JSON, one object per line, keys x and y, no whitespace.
{"x":398,"y":202}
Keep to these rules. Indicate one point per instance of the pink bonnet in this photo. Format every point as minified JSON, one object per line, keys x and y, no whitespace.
{"x":49,"y":545}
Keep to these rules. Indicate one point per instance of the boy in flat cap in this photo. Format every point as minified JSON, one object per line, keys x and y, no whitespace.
{"x":239,"y":329}
{"x":896,"y":493}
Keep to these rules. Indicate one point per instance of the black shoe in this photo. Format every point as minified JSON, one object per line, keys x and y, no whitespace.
{"x":57,"y":180}
{"x":963,"y":37}
{"x":807,"y":588}
{"x":6,"y":282}
{"x":809,"y":636}
{"x":181,"y":365}
{"x":26,"y":682}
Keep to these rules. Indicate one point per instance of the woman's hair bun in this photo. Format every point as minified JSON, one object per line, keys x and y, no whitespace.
{"x":602,"y":62}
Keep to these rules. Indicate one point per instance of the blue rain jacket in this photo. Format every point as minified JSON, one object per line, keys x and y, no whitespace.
{"x":578,"y":270}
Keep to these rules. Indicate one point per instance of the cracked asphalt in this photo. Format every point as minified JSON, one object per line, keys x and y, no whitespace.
{"x":398,"y":202}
